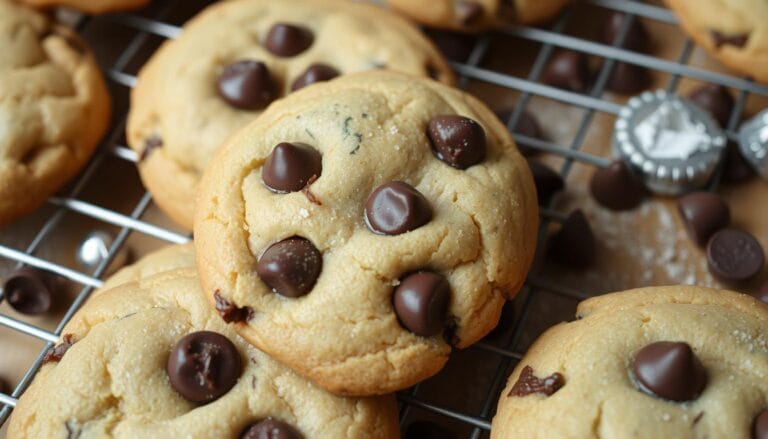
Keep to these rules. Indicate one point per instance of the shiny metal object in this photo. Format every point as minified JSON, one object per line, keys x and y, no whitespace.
{"x":95,"y":248}
{"x":753,"y":142}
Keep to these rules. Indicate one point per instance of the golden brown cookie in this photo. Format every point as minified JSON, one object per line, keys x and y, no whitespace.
{"x":91,"y":6}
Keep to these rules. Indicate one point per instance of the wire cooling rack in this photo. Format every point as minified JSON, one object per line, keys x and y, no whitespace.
{"x":463,"y":397}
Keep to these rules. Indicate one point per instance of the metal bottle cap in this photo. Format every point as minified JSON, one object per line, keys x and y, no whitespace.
{"x":673,"y":145}
{"x":753,"y":142}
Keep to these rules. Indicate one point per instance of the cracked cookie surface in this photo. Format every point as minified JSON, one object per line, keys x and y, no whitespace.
{"x":112,"y":381}
{"x":236,"y":57}
{"x":610,"y":385}
{"x":91,"y":6}
{"x":54,"y":108}
{"x":400,"y":193}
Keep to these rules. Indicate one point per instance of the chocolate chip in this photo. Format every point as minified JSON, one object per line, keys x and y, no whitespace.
{"x":229,"y":312}
{"x":427,"y":430}
{"x":637,"y":37}
{"x":456,"y":140}
{"x":548,"y":182}
{"x":55,"y":353}
{"x":455,"y":46}
{"x":395,"y":208}
{"x":760,"y":426}
{"x":246,"y":85}
{"x":288,"y":40}
{"x":468,"y":12}
{"x":151,"y":143}
{"x":734,"y":255}
{"x":30,"y":290}
{"x":704,"y":214}
{"x":762,"y":293}
{"x":715,"y":100}
{"x":290,"y":167}
{"x":203,"y":366}
{"x":290,"y":267}
{"x":528,"y":384}
{"x":270,"y":429}
{"x":736,"y":169}
{"x":721,"y":39}
{"x":669,"y":370}
{"x":527,"y":125}
{"x":421,"y":303}
{"x":574,"y":244}
{"x":617,"y":187}
{"x":314,"y":73}
{"x":568,"y":70}
{"x":628,"y":79}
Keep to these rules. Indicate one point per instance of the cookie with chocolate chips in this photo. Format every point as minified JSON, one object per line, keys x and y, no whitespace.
{"x":90,"y":6}
{"x":733,"y":31}
{"x":677,"y":361}
{"x":418,"y":221}
{"x":150,"y":358}
{"x":234,"y":59}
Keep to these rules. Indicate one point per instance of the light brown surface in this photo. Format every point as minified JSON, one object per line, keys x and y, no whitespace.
{"x":91,"y":6}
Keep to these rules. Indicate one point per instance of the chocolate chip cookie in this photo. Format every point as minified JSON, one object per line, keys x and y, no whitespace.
{"x":360,"y":228}
{"x":655,"y":362}
{"x":151,"y":359}
{"x":234,"y":59}
{"x":91,"y":6}
{"x":54,"y":108}
{"x":476,"y":15}
{"x":733,"y":31}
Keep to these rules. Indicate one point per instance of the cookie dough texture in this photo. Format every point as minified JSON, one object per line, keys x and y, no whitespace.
{"x":175,"y":99}
{"x":742,"y":21}
{"x":113,"y":383}
{"x":91,"y":6}
{"x":447,"y":14}
{"x":167,"y":258}
{"x":370,"y":129}
{"x":54,"y":108}
{"x":726,"y":331}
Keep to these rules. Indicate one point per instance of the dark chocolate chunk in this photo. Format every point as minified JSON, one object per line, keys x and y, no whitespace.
{"x":427,"y":430}
{"x":568,"y":70}
{"x":704,"y":214}
{"x":395,"y":208}
{"x":456,"y":140}
{"x":203,"y":366}
{"x":574,"y":244}
{"x":56,"y":353}
{"x":290,"y":267}
{"x":286,"y":39}
{"x":669,"y":370}
{"x":527,"y":383}
{"x":736,"y":169}
{"x":314,"y":73}
{"x":246,"y":85}
{"x":229,"y":312}
{"x":30,"y":290}
{"x":637,"y":37}
{"x":715,"y":100}
{"x":468,"y":12}
{"x":760,"y":426}
{"x":548,"y":182}
{"x":628,"y":79}
{"x":455,"y":46}
{"x":721,"y":39}
{"x":421,"y":303}
{"x":762,"y":293}
{"x":151,"y":143}
{"x":734,"y":255}
{"x":617,"y":187}
{"x":290,"y":167}
{"x":270,"y":429}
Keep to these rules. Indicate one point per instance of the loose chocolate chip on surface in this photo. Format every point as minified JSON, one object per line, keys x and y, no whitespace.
{"x":568,"y":70}
{"x":427,"y":430}
{"x":290,"y":267}
{"x":151,"y":143}
{"x":203,"y":366}
{"x":721,"y":39}
{"x":617,"y":187}
{"x":456,"y":46}
{"x":736,"y":169}
{"x":395,"y":208}
{"x":669,"y":370}
{"x":628,"y":79}
{"x":288,"y":40}
{"x":30,"y":290}
{"x":456,"y":140}
{"x":246,"y":85}
{"x":468,"y":11}
{"x":56,"y":353}
{"x":229,"y":312}
{"x":760,"y":426}
{"x":715,"y":100}
{"x":314,"y":73}
{"x":704,"y":214}
{"x":290,"y":166}
{"x":271,"y":429}
{"x":527,"y":383}
{"x":637,"y":37}
{"x":574,"y":244}
{"x":421,"y":303}
{"x":734,"y":255}
{"x":548,"y":182}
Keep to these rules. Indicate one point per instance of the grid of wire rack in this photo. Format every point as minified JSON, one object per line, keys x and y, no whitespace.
{"x":475,"y":423}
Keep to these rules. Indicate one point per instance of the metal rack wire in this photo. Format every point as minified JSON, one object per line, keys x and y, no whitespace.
{"x":474,"y":423}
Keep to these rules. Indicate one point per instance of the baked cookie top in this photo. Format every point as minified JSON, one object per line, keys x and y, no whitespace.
{"x":359,"y":228}
{"x":54,"y":108}
{"x":151,"y":359}
{"x":236,"y":57}
{"x":676,"y":361}
{"x":91,"y":6}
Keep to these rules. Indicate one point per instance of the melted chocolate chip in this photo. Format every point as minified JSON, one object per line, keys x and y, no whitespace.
{"x":568,"y":70}
{"x":628,"y":79}
{"x":637,"y":37}
{"x":270,"y":429}
{"x":314,"y":73}
{"x":528,"y":384}
{"x":468,"y":12}
{"x":427,"y":430}
{"x":456,"y":140}
{"x":421,"y":303}
{"x":246,"y":85}
{"x":617,"y":187}
{"x":151,"y":143}
{"x":395,"y":208}
{"x":736,"y":169}
{"x":548,"y":182}
{"x":288,"y":40}
{"x":30,"y":290}
{"x":203,"y":366}
{"x":455,"y":46}
{"x":721,"y":39}
{"x":734,"y":255}
{"x":574,"y":244}
{"x":290,"y":167}
{"x":704,"y":214}
{"x":669,"y":370}
{"x":56,"y":353}
{"x":715,"y":100}
{"x":290,"y":267}
{"x":231,"y":313}
{"x":760,"y":426}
